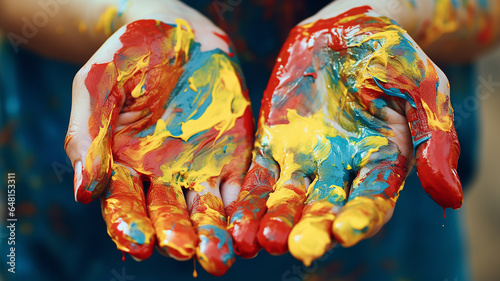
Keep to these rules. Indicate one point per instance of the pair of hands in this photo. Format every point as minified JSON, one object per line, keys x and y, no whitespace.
{"x":161,"y":130}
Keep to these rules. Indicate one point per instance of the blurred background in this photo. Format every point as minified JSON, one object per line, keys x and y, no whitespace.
{"x":481,"y":202}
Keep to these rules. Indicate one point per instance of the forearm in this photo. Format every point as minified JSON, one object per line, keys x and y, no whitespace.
{"x":74,"y":30}
{"x":447,"y":30}
{"x":63,"y":29}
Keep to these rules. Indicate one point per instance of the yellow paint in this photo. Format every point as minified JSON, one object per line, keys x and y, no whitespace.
{"x":139,"y":88}
{"x":195,"y":273}
{"x":338,"y":192}
{"x":198,"y":171}
{"x":311,"y":186}
{"x":442,"y":122}
{"x":375,"y":143}
{"x":360,"y":218}
{"x":334,"y":191}
{"x":310,"y":238}
{"x":281,"y":195}
{"x":192,"y":86}
{"x":228,"y":101}
{"x":105,"y":22}
{"x":351,"y":18}
{"x":445,"y":20}
{"x":98,"y":151}
{"x":228,"y":104}
{"x":113,"y":210}
{"x":286,"y":146}
{"x":82,"y":27}
{"x":306,"y":26}
{"x":183,"y":37}
{"x":131,"y":68}
{"x":209,"y":215}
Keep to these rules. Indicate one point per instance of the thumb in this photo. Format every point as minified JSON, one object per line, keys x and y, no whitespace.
{"x":94,"y":111}
{"x":434,"y":139}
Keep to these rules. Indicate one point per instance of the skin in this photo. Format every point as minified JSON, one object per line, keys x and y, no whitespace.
{"x":161,"y":131}
{"x":166,"y":115}
{"x":98,"y":135}
{"x":448,"y":31}
{"x":363,"y":103}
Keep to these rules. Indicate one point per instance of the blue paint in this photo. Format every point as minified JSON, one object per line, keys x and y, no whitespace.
{"x":224,"y":238}
{"x":361,"y":231}
{"x":237,"y":215}
{"x":395,"y":92}
{"x":136,"y":234}
{"x":92,"y":185}
{"x":417,"y":143}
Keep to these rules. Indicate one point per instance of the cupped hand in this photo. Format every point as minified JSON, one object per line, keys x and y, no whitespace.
{"x":161,"y":130}
{"x":352,"y":103}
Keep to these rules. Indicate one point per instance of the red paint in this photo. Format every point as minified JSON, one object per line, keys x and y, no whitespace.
{"x":168,"y":210}
{"x":437,"y":158}
{"x":312,"y":74}
{"x":227,"y":41}
{"x":164,"y":207}
{"x":279,"y":220}
{"x":126,"y":191}
{"x":486,"y":34}
{"x":123,"y":256}
{"x":209,"y":218}
{"x":251,"y":208}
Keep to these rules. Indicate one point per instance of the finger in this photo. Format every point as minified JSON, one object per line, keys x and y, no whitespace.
{"x":94,"y":111}
{"x":124,"y":211}
{"x":168,"y":211}
{"x":312,"y":235}
{"x":234,"y":173}
{"x":435,"y":140}
{"x":215,"y":246}
{"x":430,"y":116}
{"x":373,"y":196}
{"x":284,"y":207}
{"x":251,"y":206}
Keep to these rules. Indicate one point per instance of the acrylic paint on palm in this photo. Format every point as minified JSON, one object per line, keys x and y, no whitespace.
{"x":185,"y":123}
{"x":351,"y":104}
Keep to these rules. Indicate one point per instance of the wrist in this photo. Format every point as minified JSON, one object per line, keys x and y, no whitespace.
{"x":400,"y":11}
{"x":170,"y":11}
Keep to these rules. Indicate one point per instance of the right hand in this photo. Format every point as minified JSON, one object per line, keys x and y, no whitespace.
{"x":162,"y":107}
{"x":352,"y":103}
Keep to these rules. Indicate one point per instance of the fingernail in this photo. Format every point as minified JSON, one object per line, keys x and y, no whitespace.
{"x":136,"y":259}
{"x":78,"y":177}
{"x":215,"y":251}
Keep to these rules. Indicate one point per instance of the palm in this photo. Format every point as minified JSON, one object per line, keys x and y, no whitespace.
{"x":336,"y":111}
{"x":179,"y":120}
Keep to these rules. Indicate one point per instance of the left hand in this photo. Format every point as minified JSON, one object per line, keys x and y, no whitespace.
{"x":352,"y":103}
{"x":161,"y":129}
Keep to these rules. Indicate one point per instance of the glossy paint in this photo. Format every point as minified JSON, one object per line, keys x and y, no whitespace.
{"x":185,"y":123}
{"x":328,"y":115}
